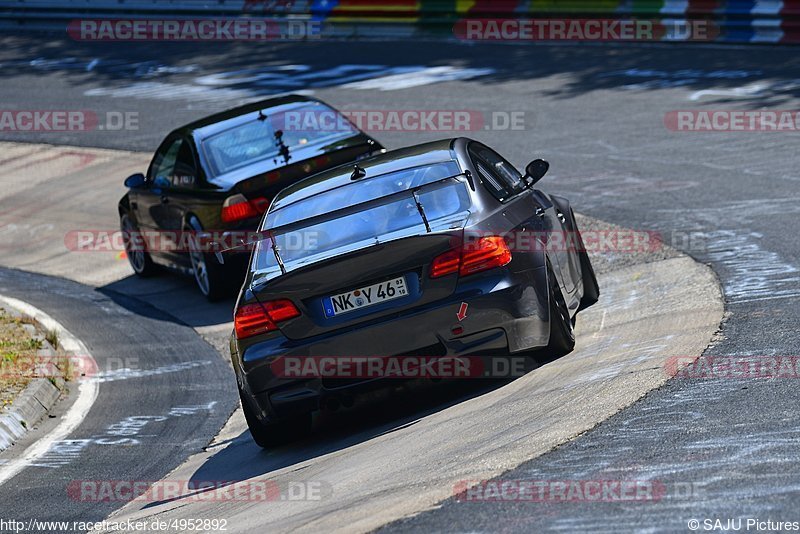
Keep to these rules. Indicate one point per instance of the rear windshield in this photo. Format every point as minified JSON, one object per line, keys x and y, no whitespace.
{"x":367,"y":189}
{"x":445,"y":205}
{"x":282,"y":129}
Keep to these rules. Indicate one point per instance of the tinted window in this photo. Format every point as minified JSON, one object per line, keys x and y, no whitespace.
{"x":444,"y":203}
{"x":362,"y":191}
{"x":496,"y":174}
{"x":165,"y":160}
{"x":185,"y":173}
{"x":274,"y":135}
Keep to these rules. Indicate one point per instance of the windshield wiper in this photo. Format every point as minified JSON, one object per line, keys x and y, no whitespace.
{"x":276,"y":251}
{"x":421,"y":209}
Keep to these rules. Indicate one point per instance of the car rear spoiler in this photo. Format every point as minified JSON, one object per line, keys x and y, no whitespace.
{"x":335,"y":214}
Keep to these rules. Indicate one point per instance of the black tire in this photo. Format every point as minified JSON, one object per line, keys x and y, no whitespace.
{"x":272,"y":435}
{"x":591,"y":289}
{"x":562,"y":335}
{"x":209,"y":274}
{"x":138,"y":257}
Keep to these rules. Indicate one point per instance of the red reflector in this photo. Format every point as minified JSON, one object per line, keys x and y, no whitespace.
{"x":254,"y":319}
{"x":479,"y":255}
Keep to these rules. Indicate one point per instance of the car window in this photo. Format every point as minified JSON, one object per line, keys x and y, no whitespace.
{"x":497,"y":175}
{"x":443,"y":203}
{"x":275,"y":134}
{"x":165,"y":160}
{"x":358,"y":192}
{"x":184,"y":174}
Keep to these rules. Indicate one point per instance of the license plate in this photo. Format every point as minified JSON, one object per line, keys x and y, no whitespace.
{"x":364,"y":297}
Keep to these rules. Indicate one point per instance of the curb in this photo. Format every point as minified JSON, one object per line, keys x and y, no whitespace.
{"x":27,"y":409}
{"x":35,"y":401}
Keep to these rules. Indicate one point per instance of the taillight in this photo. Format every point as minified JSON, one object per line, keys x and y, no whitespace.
{"x":485,"y":253}
{"x":281,"y":310}
{"x":479,"y":255}
{"x":254,"y":319}
{"x":238,"y":208}
{"x":446,"y":263}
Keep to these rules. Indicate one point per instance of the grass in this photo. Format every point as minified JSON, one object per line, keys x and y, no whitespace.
{"x":18,"y":355}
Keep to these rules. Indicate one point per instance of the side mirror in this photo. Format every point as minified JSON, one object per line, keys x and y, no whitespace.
{"x":135,"y":181}
{"x":535,"y":171}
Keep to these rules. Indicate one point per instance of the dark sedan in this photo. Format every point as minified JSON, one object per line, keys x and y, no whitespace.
{"x":211,"y":181}
{"x":413,"y":252}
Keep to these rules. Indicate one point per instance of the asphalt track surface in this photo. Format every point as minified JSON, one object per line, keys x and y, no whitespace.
{"x":142,"y":423}
{"x":596,"y":113}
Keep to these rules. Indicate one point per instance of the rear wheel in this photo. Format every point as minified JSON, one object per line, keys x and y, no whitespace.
{"x":591,"y":289}
{"x":562,"y":335}
{"x":271,"y":435}
{"x":138,"y":257}
{"x":209,"y":274}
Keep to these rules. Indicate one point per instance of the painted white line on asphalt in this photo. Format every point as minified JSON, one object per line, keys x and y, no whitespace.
{"x":427,"y":76}
{"x":87,"y":392}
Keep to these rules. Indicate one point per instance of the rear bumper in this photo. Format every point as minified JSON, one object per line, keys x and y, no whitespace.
{"x":505,"y":313}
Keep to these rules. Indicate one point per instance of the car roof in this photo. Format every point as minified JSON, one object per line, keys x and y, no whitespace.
{"x":224,"y":120}
{"x":396,"y":160}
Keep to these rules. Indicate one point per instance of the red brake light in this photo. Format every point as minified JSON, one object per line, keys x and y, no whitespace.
{"x":251,"y":320}
{"x":281,"y":310}
{"x":479,"y":255}
{"x":485,"y":253}
{"x":254,"y":319}
{"x":446,"y":263}
{"x":238,"y":208}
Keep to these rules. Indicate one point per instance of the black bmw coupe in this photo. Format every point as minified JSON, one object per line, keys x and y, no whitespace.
{"x":211,"y":181}
{"x":442,"y":250}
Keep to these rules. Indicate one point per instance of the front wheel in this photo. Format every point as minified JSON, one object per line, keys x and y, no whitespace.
{"x":271,"y":435}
